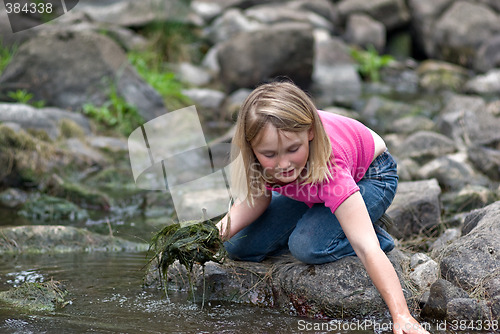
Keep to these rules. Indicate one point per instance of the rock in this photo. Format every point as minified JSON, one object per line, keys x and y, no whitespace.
{"x":392,"y":13}
{"x":12,"y":198}
{"x":424,"y":14}
{"x":132,"y":13}
{"x":251,"y":58}
{"x":84,"y":70}
{"x":411,"y":124}
{"x":473,"y":261}
{"x":192,"y":74}
{"x":486,"y":160}
{"x":36,"y":296}
{"x":466,"y":121}
{"x":468,"y":309}
{"x":486,"y":84}
{"x":232,"y":22}
{"x":470,"y":197}
{"x":423,"y":146}
{"x":438,"y":75}
{"x":36,"y":239}
{"x":425,"y":274}
{"x":50,"y":209}
{"x":44,"y":119}
{"x":453,"y":172}
{"x":416,"y":208}
{"x":335,"y":76}
{"x":362,"y":30}
{"x":337,"y":289}
{"x":418,"y":259}
{"x":488,"y":55}
{"x":207,"y":100}
{"x":445,"y":239}
{"x":459,"y":32}
{"x":442,"y":292}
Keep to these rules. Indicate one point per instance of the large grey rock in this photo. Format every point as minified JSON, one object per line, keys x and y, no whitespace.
{"x":416,"y":208}
{"x":251,"y":58}
{"x":45,"y":119}
{"x":84,"y":69}
{"x":337,"y":289}
{"x":362,"y":30}
{"x":441,"y":293}
{"x":133,"y":13}
{"x":486,"y":160}
{"x":424,"y":145}
{"x":488,"y":55}
{"x":466,"y":121}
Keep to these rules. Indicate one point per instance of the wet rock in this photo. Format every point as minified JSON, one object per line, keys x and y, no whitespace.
{"x":83,"y":70}
{"x":338,"y":289}
{"x":416,"y":208}
{"x":288,"y":51}
{"x":45,"y":296}
{"x":42,"y":119}
{"x":441,"y":293}
{"x":36,"y":239}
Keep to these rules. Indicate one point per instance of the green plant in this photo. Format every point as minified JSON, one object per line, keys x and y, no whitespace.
{"x":370,"y":62}
{"x":151,"y":68}
{"x":23,"y":96}
{"x":115,"y":113}
{"x":5,"y":55}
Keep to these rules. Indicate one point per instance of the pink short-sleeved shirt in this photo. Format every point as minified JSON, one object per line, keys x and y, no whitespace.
{"x":353,"y":148}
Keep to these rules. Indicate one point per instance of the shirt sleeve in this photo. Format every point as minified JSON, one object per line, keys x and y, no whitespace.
{"x":336,"y":191}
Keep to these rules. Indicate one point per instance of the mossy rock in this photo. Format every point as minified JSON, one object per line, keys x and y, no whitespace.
{"x":77,"y":193}
{"x":34,"y":296}
{"x":51,"y":209}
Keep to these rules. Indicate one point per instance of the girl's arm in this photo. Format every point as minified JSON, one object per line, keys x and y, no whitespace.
{"x":357,"y":226}
{"x":242,"y":214}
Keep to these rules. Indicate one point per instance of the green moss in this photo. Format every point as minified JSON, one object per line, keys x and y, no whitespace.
{"x":16,"y":140}
{"x":69,"y":129}
{"x":51,"y":209}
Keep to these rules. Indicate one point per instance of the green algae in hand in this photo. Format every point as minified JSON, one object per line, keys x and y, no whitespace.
{"x":36,"y":296}
{"x":189,"y":242}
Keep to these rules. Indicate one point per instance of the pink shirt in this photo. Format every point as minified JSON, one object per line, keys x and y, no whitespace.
{"x":353,"y":148}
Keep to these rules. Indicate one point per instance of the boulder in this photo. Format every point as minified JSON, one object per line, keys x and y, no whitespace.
{"x":461,"y":30}
{"x":416,"y":208}
{"x":487,"y":84}
{"x":425,"y":145}
{"x":466,"y":121}
{"x":44,"y":119}
{"x":282,"y":50}
{"x":362,"y":30}
{"x":85,"y":69}
{"x":340,"y":289}
{"x":392,"y":13}
{"x":441,"y":293}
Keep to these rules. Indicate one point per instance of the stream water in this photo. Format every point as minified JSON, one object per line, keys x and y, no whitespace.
{"x":106,"y":296}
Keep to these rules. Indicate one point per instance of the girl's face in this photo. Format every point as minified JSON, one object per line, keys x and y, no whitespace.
{"x":282,"y":154}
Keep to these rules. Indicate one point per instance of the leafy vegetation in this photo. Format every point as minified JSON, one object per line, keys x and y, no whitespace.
{"x":115,"y":113}
{"x":23,"y":96}
{"x":5,"y":55}
{"x":370,"y":62}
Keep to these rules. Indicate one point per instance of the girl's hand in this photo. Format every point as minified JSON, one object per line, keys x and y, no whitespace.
{"x":406,"y":324}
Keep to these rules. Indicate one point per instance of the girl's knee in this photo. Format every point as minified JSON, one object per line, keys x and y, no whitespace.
{"x":302,"y":249}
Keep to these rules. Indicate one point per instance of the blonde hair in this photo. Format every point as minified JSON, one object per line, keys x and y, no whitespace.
{"x":288,"y":108}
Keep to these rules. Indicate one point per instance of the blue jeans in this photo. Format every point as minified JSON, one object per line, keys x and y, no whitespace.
{"x":314,"y":235}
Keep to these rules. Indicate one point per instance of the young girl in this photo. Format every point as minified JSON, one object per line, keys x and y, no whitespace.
{"x":313,"y":183}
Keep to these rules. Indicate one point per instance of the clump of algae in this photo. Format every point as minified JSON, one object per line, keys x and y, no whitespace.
{"x":188,"y":242}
